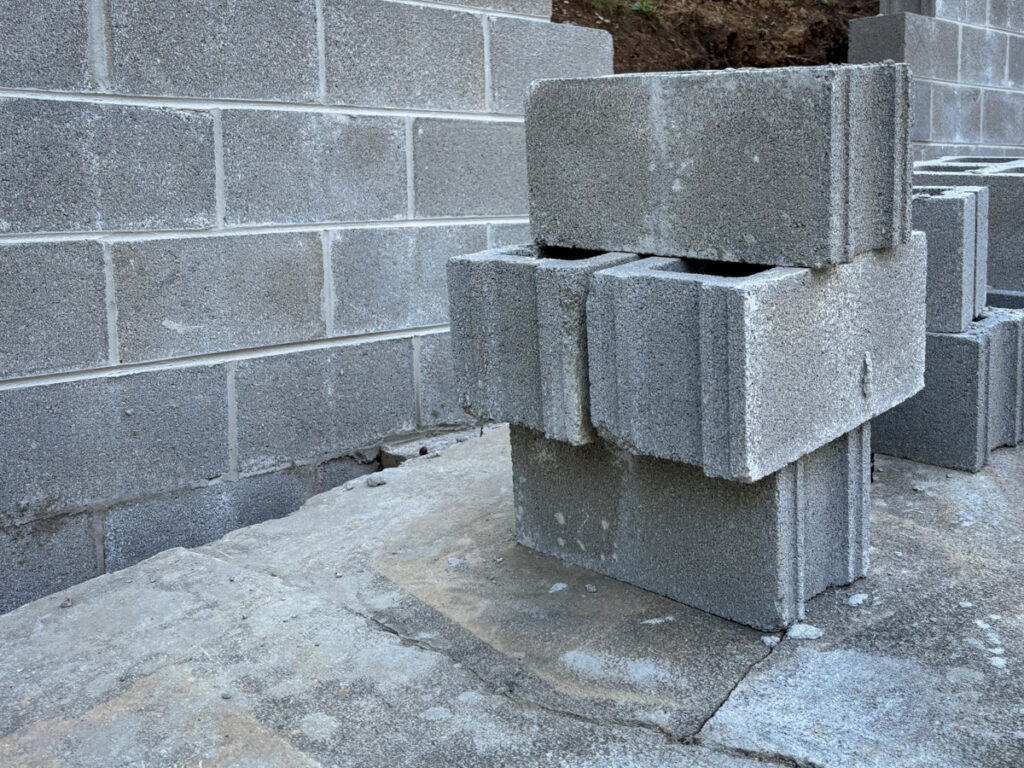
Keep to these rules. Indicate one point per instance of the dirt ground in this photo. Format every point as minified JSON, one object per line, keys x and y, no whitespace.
{"x":662,"y":35}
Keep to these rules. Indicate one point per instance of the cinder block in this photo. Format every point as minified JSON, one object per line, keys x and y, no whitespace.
{"x":469,"y":168}
{"x":1005,"y":182}
{"x":40,"y":558}
{"x":982,"y":56}
{"x":519,"y":337}
{"x":45,"y":44}
{"x":193,"y":296}
{"x":74,"y":166}
{"x":741,"y":372}
{"x":439,"y":398}
{"x":701,"y":165}
{"x":930,"y":46}
{"x":971,"y":402}
{"x":298,"y":167}
{"x":753,"y":553}
{"x":924,"y":7}
{"x":323,"y":402}
{"x":102,"y":439}
{"x":331,"y":474}
{"x":389,"y":279}
{"x":971,"y":11}
{"x":956,"y":113}
{"x":949,"y":216}
{"x":504,"y":235}
{"x":243,"y":49}
{"x":921,"y":95}
{"x":1008,"y":14}
{"x":1003,"y":117}
{"x":1006,"y":299}
{"x":539,"y":8}
{"x":395,"y":55}
{"x":1015,"y":64}
{"x":191,"y":518}
{"x":52,"y":308}
{"x":523,"y":51}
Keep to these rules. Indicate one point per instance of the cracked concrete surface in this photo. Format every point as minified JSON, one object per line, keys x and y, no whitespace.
{"x":401,"y":625}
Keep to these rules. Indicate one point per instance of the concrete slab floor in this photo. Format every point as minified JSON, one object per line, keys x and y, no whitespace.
{"x":400,"y":625}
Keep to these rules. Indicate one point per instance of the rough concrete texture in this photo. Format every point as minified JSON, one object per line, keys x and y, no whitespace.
{"x":105,"y":167}
{"x":540,"y":8}
{"x":52,"y":308}
{"x":523,"y":51}
{"x":1005,"y":182}
{"x":1006,"y":299}
{"x":468,"y":168}
{"x":396,"y":55}
{"x":955,"y":113}
{"x":45,"y":44}
{"x":245,"y":49}
{"x":298,"y":167}
{"x":955,"y":221}
{"x":387,"y":279}
{"x":439,"y":398}
{"x":502,"y":235}
{"x":971,"y":402}
{"x":401,"y":620}
{"x":180,"y":297}
{"x":982,"y":56}
{"x":744,"y":165}
{"x":753,"y":553}
{"x":519,"y":337}
{"x":929,"y":46}
{"x":741,"y":375}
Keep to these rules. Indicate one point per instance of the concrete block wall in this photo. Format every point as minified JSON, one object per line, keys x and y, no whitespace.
{"x":967,"y":59}
{"x":222,"y":240}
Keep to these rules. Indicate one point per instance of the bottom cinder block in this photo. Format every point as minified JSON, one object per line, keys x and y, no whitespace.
{"x":1005,"y":299}
{"x":750,"y":552}
{"x":972,"y":399}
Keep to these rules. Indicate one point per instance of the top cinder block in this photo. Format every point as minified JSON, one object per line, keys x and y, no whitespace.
{"x":798,"y":166}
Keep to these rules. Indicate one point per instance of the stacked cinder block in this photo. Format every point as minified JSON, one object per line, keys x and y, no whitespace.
{"x":223,"y":231}
{"x":967,"y":59}
{"x":697,"y":422}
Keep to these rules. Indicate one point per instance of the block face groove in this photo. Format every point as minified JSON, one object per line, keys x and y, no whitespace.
{"x":728,"y":548}
{"x":243,"y":49}
{"x":743,"y":375}
{"x":757,"y":198}
{"x":390,"y":54}
{"x":45,"y":44}
{"x":523,"y":358}
{"x":39,"y":334}
{"x":82,"y":167}
{"x":296,"y":167}
{"x":199,"y":295}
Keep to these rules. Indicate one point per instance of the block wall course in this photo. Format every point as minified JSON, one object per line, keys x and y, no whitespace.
{"x":389,"y":279}
{"x":390,"y":54}
{"x":930,"y":46}
{"x":192,"y":296}
{"x":468,"y":168}
{"x":1008,"y":14}
{"x":45,"y":44}
{"x":439,"y":398}
{"x":539,"y":8}
{"x":86,"y":442}
{"x":1003,"y":117}
{"x":243,"y":49}
{"x":523,"y":51}
{"x":52,"y":308}
{"x":956,"y":113}
{"x":105,"y":167}
{"x":337,"y":399}
{"x":982,"y":56}
{"x":296,"y":167}
{"x":504,"y":235}
{"x":39,"y":558}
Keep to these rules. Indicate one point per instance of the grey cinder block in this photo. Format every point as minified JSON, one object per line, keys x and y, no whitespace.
{"x":930,"y":46}
{"x":388,"y":279}
{"x":1008,"y":14}
{"x":519,"y":337}
{"x":955,"y":222}
{"x":753,"y":553}
{"x":1003,"y":118}
{"x":191,"y":296}
{"x":469,"y":168}
{"x":75,"y":166}
{"x":1015,"y":63}
{"x":298,"y":167}
{"x":244,"y":49}
{"x":921,"y":96}
{"x":45,"y":44}
{"x":395,"y":55}
{"x":1006,"y":299}
{"x":1005,"y":182}
{"x":39,"y":558}
{"x":704,"y":165}
{"x":338,"y":399}
{"x":52,"y":308}
{"x":971,"y":402}
{"x":971,"y":11}
{"x":98,"y":440}
{"x":523,"y":51}
{"x":955,"y":113}
{"x":982,"y":56}
{"x":502,"y":235}
{"x":439,"y":397}
{"x":539,"y":8}
{"x":743,"y":373}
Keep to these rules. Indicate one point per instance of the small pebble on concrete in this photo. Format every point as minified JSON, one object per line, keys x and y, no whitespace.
{"x":804,"y":632}
{"x":558,"y":587}
{"x":770,"y":640}
{"x":590,"y":588}
{"x":859,"y":599}
{"x":374,"y":481}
